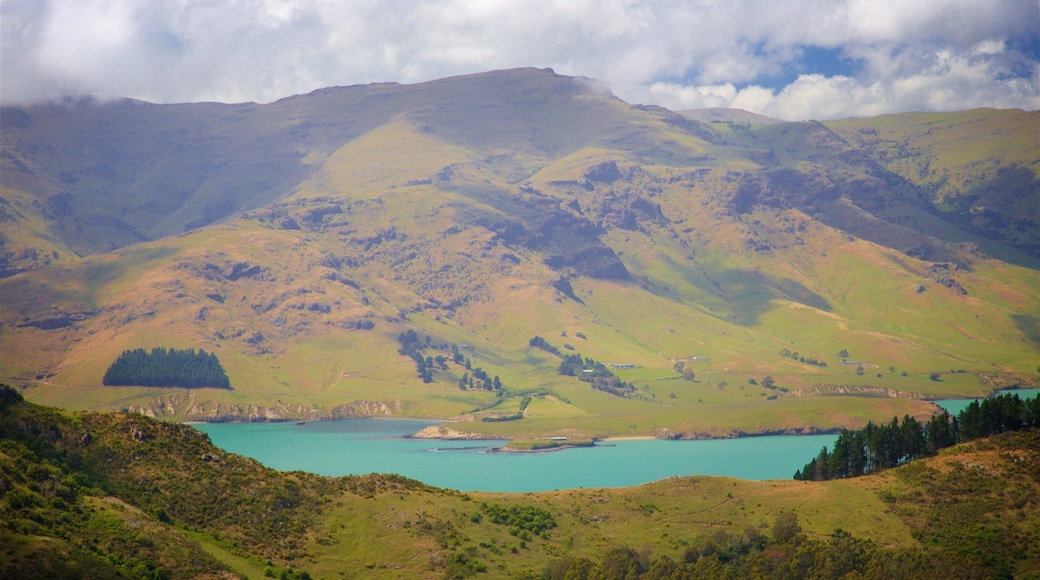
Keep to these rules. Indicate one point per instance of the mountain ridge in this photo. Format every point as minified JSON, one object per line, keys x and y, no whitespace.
{"x":483,"y":210}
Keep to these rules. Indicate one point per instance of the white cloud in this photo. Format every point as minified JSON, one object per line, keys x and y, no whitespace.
{"x":931,"y":54}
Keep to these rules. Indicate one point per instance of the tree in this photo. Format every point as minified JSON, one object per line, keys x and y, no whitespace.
{"x":934,"y":376}
{"x":166,"y":368}
{"x":940,"y":432}
{"x":843,"y":353}
{"x":767,"y":382}
{"x":786,"y":526}
{"x":877,"y":447}
{"x":687,"y":374}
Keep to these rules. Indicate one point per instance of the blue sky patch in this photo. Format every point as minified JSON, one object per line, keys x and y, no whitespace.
{"x":828,"y":62}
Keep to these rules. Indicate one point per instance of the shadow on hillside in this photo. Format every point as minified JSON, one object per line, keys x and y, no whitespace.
{"x":1028,"y":326}
{"x":745,"y":294}
{"x":751,"y":293}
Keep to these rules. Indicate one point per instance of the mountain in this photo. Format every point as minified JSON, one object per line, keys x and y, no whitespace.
{"x":301,"y":240}
{"x":722,"y":115}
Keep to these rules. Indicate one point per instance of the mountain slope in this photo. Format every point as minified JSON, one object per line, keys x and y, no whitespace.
{"x":482,"y":211}
{"x":121,"y":495}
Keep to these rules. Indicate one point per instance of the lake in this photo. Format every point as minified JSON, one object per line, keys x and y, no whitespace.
{"x":955,"y":406}
{"x":362,"y":446}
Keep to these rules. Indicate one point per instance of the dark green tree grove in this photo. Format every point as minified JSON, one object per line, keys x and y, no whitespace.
{"x":167,"y":368}
{"x":877,"y":447}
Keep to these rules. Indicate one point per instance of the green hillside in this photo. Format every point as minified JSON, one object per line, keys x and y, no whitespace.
{"x":121,"y":495}
{"x":298,"y":240}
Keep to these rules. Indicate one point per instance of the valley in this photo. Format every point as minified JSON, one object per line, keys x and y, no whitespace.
{"x":516,"y":256}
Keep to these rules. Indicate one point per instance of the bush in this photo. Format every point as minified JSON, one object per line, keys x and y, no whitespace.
{"x":786,"y":526}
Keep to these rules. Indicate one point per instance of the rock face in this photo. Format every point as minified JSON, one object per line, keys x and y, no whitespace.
{"x":665,"y":433}
{"x":187,"y":407}
{"x":442,"y":432}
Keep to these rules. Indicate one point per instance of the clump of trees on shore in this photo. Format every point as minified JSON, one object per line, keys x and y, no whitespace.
{"x":877,"y":447}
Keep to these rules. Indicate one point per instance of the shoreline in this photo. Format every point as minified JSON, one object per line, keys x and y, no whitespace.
{"x":450,"y":434}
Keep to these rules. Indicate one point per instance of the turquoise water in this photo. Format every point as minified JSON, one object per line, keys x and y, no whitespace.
{"x":361,"y":446}
{"x":955,"y":406}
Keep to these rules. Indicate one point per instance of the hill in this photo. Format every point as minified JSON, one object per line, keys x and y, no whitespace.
{"x":722,"y":115}
{"x":298,"y":240}
{"x":122,"y":495}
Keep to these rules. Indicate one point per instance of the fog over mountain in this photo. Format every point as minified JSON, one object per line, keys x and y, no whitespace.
{"x":793,"y":60}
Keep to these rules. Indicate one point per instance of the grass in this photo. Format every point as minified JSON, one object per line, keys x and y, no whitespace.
{"x":546,"y":444}
{"x":224,"y":553}
{"x":403,"y":243}
{"x":971,"y":501}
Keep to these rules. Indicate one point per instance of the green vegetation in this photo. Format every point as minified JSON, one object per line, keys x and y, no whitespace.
{"x":877,"y":447}
{"x":522,"y":444}
{"x":801,"y":358}
{"x":541,"y":343}
{"x":122,"y":495}
{"x":751,"y":554}
{"x":595,"y":373}
{"x":520,"y":519}
{"x":389,"y":262}
{"x":167,"y":368}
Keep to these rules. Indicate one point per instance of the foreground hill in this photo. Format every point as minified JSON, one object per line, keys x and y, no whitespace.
{"x":720,"y":265}
{"x":122,"y":495}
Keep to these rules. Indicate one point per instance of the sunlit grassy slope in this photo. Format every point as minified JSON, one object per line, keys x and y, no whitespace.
{"x":482,"y":211}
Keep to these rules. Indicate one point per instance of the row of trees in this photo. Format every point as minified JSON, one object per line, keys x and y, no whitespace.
{"x":786,"y":353}
{"x":587,"y":370}
{"x":595,"y":373}
{"x":877,"y":447}
{"x":479,"y":380}
{"x":167,"y":368}
{"x":412,"y":346}
{"x":540,"y":343}
{"x":524,"y":402}
{"x":425,"y":366}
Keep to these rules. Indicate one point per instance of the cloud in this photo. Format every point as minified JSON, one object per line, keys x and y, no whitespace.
{"x":941,"y":80}
{"x":885,"y":55}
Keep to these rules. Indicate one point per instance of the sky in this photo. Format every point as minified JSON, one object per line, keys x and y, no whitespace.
{"x":789,"y":59}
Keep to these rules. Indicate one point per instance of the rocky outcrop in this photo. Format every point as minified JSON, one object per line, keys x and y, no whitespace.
{"x":952,"y":284}
{"x":442,"y":432}
{"x":187,"y":408}
{"x":665,"y":433}
{"x":819,"y":389}
{"x":605,"y":172}
{"x":232,"y":271}
{"x":54,"y":320}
